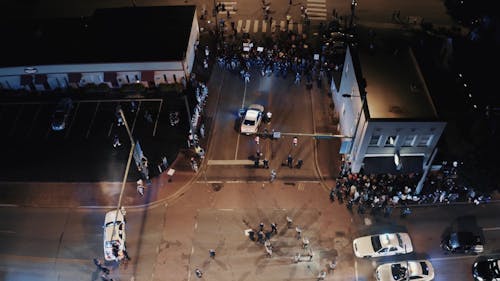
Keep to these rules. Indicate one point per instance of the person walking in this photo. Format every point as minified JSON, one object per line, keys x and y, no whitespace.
{"x":289,"y":222}
{"x":273,"y":175}
{"x":266,"y":163}
{"x":198,"y":273}
{"x":299,"y":164}
{"x":261,"y":226}
{"x":299,"y":232}
{"x":116,"y":141}
{"x":321,"y":275}
{"x":305,"y":242}
{"x":289,"y":160}
{"x":140,"y":187}
{"x":332,"y":195}
{"x":332,"y":265}
{"x":211,"y":252}
{"x":274,"y":228}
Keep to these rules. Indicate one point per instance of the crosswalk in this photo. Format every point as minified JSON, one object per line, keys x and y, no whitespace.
{"x":264,"y":26}
{"x":316,"y":9}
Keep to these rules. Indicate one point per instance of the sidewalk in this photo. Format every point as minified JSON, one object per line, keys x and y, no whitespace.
{"x":97,"y":194}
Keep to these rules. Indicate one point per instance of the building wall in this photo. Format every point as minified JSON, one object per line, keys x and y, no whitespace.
{"x":347,"y":108}
{"x":410,"y":139}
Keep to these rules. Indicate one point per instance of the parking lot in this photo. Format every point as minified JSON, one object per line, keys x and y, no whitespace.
{"x":83,"y":150}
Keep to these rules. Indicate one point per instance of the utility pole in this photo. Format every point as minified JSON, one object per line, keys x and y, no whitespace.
{"x":354,"y":3}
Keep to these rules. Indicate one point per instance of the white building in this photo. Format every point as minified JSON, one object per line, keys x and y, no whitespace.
{"x":115,"y":47}
{"x":395,"y":129}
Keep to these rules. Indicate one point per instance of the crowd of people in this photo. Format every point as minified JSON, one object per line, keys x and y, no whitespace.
{"x":283,"y":53}
{"x":380,"y":193}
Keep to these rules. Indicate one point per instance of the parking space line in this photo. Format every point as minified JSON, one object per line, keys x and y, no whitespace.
{"x":135,"y":117}
{"x":72,"y":121}
{"x":35,"y":117}
{"x":491,"y":228}
{"x":18,"y":115}
{"x":157,"y":118}
{"x":92,"y":120}
{"x":111,"y":128}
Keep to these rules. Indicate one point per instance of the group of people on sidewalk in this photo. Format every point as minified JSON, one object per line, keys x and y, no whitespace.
{"x":382,"y":192}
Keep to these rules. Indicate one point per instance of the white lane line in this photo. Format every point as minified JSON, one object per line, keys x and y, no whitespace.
{"x":453,"y":258}
{"x":356,"y":269}
{"x":8,"y":205}
{"x":238,"y":139}
{"x":491,"y":228}
{"x":264,"y":26}
{"x":92,"y":120}
{"x":72,"y":121}
{"x":256,"y":26}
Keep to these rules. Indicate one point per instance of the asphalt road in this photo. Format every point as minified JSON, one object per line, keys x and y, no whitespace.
{"x":59,"y":244}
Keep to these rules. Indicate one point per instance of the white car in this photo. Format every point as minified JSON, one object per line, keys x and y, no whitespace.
{"x":421,"y":270}
{"x":252,"y":119}
{"x":114,"y":236}
{"x":379,"y":245}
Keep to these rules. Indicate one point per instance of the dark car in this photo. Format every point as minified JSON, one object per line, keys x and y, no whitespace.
{"x":486,"y":269}
{"x":60,"y":115}
{"x":462,"y":242}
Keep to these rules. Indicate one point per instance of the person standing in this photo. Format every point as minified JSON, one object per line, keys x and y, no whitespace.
{"x":212,"y":253}
{"x":289,"y":160}
{"x":116,"y":141}
{"x":198,"y":273}
{"x":274,"y":228}
{"x":299,"y":232}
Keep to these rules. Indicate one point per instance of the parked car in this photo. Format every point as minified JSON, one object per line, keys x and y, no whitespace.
{"x":379,"y":245}
{"x":462,"y":242}
{"x":252,"y":119}
{"x":114,"y":235}
{"x":421,"y":270}
{"x":61,"y":113}
{"x":486,"y":269}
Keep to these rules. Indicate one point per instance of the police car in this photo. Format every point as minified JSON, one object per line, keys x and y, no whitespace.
{"x":252,"y":119}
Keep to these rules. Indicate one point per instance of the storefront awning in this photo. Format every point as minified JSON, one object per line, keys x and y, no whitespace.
{"x":74,"y":77}
{"x":26,"y":79}
{"x":147,"y":76}
{"x":40,"y":79}
{"x":381,"y":165}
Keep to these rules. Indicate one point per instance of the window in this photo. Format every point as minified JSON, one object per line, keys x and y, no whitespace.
{"x":374,"y":140}
{"x":409,"y":140}
{"x":425,"y":140}
{"x":391,"y":141}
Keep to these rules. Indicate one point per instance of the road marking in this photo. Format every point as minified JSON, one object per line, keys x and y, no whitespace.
{"x":491,"y":228}
{"x":256,"y":26}
{"x":247,"y":26}
{"x":72,"y":121}
{"x":92,"y":120}
{"x":452,"y":258}
{"x":238,"y":27}
{"x":8,"y":205}
{"x":231,"y":162}
{"x":238,"y":139}
{"x":356,"y":269}
{"x":264,"y":26}
{"x":39,"y":108}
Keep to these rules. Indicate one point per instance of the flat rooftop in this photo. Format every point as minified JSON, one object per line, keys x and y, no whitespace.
{"x":394,"y":88}
{"x":114,"y":35}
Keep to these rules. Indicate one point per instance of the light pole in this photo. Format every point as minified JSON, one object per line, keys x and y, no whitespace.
{"x":127,"y":168}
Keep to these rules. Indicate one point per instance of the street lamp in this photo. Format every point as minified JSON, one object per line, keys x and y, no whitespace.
{"x":127,"y":168}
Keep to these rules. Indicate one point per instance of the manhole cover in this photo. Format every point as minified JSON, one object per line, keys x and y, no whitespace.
{"x":216,"y":186}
